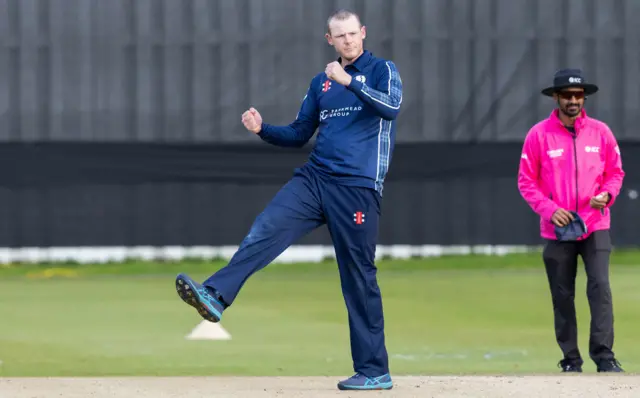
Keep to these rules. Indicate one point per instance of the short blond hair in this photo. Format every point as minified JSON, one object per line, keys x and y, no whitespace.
{"x":342,"y":15}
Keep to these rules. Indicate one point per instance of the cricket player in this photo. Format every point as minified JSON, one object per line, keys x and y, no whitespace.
{"x":571,"y":174}
{"x":354,"y":102}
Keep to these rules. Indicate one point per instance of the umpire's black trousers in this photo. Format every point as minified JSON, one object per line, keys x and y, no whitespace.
{"x":561,"y":263}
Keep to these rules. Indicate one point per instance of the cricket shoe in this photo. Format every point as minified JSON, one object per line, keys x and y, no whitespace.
{"x":609,"y":365}
{"x":569,"y":366}
{"x":362,"y":382}
{"x":199,"y":297}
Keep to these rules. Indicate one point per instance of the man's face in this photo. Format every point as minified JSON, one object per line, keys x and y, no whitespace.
{"x":346,"y":37}
{"x":570,"y":101}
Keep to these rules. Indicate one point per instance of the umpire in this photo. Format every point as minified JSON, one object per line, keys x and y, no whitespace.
{"x":570,"y":174}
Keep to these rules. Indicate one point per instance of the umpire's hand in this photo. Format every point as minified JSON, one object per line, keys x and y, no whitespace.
{"x":600,"y":201}
{"x":252,"y":120}
{"x":561,"y":217}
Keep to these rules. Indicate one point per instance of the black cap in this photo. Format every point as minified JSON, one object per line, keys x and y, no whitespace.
{"x":565,"y":78}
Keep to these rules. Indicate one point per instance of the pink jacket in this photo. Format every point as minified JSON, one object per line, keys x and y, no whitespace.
{"x":557,"y":170}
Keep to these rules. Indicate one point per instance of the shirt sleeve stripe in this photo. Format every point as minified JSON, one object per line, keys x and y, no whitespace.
{"x":393,"y":97}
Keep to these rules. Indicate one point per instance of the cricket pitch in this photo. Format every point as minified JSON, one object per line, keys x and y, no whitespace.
{"x":565,"y":386}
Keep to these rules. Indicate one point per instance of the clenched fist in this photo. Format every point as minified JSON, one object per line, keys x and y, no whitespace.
{"x":335,"y":72}
{"x":252,"y":120}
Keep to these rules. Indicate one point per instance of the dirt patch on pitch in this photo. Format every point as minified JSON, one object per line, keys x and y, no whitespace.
{"x":316,"y":387}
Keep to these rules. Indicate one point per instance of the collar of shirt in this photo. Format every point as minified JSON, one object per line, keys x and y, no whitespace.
{"x":361,"y":62}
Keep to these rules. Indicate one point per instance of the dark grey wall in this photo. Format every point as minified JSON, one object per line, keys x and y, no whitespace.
{"x":76,"y":72}
{"x":184,"y":70}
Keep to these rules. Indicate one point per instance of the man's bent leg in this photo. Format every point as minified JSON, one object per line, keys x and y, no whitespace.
{"x":292,"y":213}
{"x":561,"y":264}
{"x":595,"y":252}
{"x":352,"y":217}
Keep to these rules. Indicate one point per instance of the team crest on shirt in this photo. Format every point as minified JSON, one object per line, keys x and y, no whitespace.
{"x":361,"y":78}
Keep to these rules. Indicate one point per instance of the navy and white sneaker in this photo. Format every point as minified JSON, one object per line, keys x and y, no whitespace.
{"x":199,"y":297}
{"x":362,"y":382}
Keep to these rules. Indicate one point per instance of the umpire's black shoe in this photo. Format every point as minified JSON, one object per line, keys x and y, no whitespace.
{"x":569,"y":366}
{"x":609,"y":365}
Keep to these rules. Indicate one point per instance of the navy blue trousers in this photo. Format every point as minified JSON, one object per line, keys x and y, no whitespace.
{"x":351,"y":214}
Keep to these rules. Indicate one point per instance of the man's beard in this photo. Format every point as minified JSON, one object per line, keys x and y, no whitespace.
{"x":571,"y":112}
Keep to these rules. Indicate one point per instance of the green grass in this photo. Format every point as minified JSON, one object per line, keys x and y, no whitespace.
{"x":450,"y":315}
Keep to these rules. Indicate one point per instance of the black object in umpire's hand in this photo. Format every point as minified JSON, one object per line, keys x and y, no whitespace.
{"x":572,"y":231}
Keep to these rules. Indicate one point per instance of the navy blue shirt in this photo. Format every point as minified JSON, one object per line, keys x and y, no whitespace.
{"x":356,"y":124}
